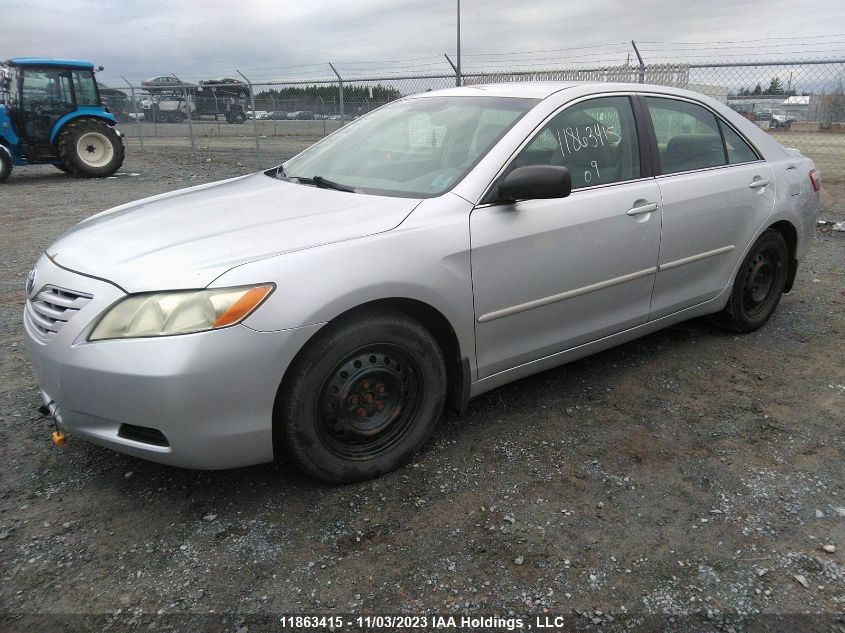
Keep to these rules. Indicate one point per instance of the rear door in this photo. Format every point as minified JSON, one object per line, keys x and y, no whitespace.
{"x":549,"y":275}
{"x":716,"y":193}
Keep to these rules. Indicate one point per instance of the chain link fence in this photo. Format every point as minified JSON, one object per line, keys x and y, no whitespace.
{"x":262,"y":123}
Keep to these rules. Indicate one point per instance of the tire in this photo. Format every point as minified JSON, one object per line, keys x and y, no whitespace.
{"x":361,"y":398}
{"x":90,"y":148}
{"x":175,"y":116}
{"x":758,"y":286}
{"x":5,"y":165}
{"x":238,"y":117}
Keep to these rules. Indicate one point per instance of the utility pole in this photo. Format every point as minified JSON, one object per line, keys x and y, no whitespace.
{"x":458,"y":69}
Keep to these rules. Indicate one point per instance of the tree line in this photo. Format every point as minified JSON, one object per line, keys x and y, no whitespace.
{"x":775,"y":88}
{"x":315,"y":96}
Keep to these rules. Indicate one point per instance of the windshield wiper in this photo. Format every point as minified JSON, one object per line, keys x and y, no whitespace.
{"x":322,"y":183}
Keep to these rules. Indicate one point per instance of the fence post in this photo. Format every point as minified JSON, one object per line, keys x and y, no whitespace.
{"x":187,"y":98}
{"x":254,"y":121}
{"x":639,"y":57}
{"x":188,"y":107}
{"x":135,"y":112}
{"x":339,"y":91}
{"x":454,"y":68}
{"x":216,"y":109}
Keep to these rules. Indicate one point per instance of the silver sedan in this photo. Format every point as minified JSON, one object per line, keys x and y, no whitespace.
{"x":326,"y":310}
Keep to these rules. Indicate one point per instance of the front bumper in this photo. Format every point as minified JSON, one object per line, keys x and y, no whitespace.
{"x":210,"y":394}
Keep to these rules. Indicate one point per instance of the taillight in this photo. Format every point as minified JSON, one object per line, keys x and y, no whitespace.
{"x":816,"y":179}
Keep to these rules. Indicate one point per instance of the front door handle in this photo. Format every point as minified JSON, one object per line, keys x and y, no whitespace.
{"x":646,"y":208}
{"x":757,"y":184}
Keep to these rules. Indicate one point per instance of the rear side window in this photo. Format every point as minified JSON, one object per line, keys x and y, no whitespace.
{"x":738,"y":150}
{"x":687,"y":135}
{"x":596,"y":140}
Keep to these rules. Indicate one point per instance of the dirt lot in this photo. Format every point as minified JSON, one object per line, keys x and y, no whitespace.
{"x":687,"y":479}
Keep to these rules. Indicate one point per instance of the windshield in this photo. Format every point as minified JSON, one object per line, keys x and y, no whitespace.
{"x":416,"y":148}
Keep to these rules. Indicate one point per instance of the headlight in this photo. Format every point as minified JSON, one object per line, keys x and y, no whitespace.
{"x":179,"y":312}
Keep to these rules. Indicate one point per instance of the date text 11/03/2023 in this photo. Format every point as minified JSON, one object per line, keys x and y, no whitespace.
{"x":423,"y":622}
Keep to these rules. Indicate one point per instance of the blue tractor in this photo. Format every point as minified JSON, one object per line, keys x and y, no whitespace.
{"x":50,"y":113}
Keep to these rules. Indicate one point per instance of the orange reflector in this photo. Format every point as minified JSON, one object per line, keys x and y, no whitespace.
{"x":243,"y":306}
{"x":59,"y":438}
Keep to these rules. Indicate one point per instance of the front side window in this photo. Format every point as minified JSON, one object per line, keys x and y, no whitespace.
{"x":85,"y":87}
{"x":47,"y":92}
{"x":417,"y":147}
{"x":596,"y":140}
{"x":687,"y":135}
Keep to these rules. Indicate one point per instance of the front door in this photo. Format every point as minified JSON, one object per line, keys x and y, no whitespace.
{"x":549,"y":275}
{"x":46,"y":96}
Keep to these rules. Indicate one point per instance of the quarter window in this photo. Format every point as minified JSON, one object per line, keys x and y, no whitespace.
{"x":596,"y":140}
{"x":738,"y":150}
{"x":687,"y":135}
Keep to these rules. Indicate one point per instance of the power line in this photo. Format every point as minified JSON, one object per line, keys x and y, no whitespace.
{"x":764,"y":39}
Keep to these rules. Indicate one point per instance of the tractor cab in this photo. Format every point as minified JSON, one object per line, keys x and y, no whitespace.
{"x":51,"y":112}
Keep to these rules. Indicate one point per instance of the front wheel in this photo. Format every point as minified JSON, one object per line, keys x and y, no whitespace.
{"x":5,"y":164}
{"x":362,"y":398}
{"x":90,"y":148}
{"x":759,"y":284}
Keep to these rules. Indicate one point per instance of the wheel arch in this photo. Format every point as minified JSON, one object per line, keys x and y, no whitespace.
{"x":790,"y":236}
{"x":96,"y":115}
{"x":457,"y":364}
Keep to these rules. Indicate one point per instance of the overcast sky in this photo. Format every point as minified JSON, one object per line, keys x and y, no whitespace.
{"x":294,"y":39}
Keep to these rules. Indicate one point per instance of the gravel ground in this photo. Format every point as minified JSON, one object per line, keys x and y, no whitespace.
{"x":690,"y":478}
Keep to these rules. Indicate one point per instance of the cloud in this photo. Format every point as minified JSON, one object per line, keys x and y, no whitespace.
{"x":296,"y":39}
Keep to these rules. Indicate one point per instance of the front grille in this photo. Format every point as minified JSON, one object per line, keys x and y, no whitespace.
{"x":51,"y":308}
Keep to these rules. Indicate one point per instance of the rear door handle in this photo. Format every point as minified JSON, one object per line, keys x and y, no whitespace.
{"x":646,"y":208}
{"x":757,"y":184}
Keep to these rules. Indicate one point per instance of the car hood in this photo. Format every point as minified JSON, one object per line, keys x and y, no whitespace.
{"x":187,"y":238}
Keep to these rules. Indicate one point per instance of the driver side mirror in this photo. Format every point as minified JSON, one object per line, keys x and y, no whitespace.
{"x":532,"y":182}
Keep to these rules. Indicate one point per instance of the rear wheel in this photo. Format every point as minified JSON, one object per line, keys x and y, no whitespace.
{"x":362,"y":398}
{"x":5,"y":164}
{"x":90,"y":148}
{"x":758,"y":285}
{"x":176,"y":116}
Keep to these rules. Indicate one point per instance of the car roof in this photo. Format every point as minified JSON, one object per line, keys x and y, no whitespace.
{"x":544,"y":89}
{"x":48,"y":61}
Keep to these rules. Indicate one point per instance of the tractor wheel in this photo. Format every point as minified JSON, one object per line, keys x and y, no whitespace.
{"x":176,"y":116}
{"x":5,"y":164}
{"x":90,"y":148}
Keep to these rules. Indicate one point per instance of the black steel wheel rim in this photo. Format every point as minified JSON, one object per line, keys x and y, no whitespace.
{"x":368,"y":402}
{"x":759,"y":289}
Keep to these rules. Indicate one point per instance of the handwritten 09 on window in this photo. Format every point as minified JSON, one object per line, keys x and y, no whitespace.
{"x":595,"y":139}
